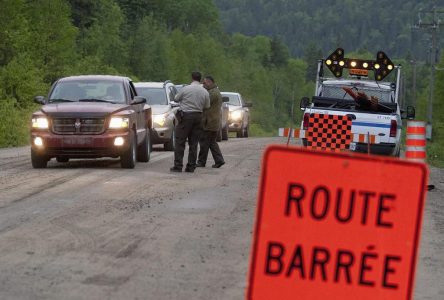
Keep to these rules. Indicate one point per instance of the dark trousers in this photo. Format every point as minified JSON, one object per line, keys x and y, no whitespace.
{"x":208,"y":142}
{"x":189,"y":128}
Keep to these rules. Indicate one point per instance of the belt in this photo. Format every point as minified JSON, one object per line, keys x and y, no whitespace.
{"x":192,"y":112}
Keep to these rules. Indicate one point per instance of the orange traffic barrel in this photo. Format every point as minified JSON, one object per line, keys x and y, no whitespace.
{"x":416,"y":141}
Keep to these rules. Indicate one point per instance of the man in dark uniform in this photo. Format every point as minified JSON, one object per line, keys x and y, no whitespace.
{"x":193,"y":99}
{"x":211,"y":126}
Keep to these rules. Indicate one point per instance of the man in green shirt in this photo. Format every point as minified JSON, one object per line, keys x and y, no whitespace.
{"x":211,"y":124}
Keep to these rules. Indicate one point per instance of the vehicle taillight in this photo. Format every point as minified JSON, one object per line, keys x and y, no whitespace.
{"x":393,"y":128}
{"x":306,"y":121}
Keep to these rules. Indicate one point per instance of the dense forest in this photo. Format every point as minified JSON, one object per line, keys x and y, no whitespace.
{"x":157,"y":40}
{"x":149,"y":40}
{"x":351,"y":24}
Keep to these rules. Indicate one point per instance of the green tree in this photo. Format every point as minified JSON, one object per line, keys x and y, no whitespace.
{"x":103,"y":38}
{"x":150,"y":55}
{"x":13,"y":30}
{"x":279,"y":53}
{"x":53,"y":36}
{"x":312,"y":54}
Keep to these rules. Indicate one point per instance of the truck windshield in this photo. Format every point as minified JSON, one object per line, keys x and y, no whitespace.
{"x":154,"y":96}
{"x":84,"y":90}
{"x":233,"y":99}
{"x":337,"y":92}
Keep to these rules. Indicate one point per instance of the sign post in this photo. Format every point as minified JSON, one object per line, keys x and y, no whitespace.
{"x":336,"y":226}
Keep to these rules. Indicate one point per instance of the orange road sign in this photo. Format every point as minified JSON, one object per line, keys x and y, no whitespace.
{"x":336,"y":226}
{"x":358,"y":72}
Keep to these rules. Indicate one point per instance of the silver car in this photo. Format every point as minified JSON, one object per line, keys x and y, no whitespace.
{"x":160,"y":96}
{"x":239,"y":117}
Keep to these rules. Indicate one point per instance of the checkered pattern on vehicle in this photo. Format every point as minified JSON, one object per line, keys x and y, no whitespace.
{"x":329,"y":132}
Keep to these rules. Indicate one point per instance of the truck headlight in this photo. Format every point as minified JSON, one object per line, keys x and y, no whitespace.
{"x":159,"y":119}
{"x":236,"y":115}
{"x":40,"y":123}
{"x":119,"y":123}
{"x":38,"y":141}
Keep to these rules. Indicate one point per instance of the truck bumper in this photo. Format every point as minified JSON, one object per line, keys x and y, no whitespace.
{"x":161,"y":135}
{"x":234,"y":126}
{"x":80,"y":146}
{"x":379,"y":149}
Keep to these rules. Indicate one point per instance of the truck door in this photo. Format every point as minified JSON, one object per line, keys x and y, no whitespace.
{"x":140,"y":114}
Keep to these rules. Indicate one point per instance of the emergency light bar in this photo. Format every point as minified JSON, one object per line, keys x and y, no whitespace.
{"x":337,"y":62}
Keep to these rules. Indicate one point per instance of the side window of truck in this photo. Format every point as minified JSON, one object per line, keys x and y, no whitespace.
{"x":172,"y":93}
{"x":133,"y":92}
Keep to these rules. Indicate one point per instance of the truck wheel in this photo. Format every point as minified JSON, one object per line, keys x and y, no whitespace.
{"x":225,"y":133}
{"x":38,"y":161}
{"x":62,"y":159}
{"x":128,"y":158}
{"x":240,"y":133}
{"x":144,"y":149}
{"x":171,"y":144}
{"x":246,"y":132}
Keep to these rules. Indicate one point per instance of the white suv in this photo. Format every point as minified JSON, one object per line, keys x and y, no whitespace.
{"x":239,"y":117}
{"x":160,"y":96}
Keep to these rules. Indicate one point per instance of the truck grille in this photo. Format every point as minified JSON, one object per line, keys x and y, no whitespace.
{"x":78,"y":126}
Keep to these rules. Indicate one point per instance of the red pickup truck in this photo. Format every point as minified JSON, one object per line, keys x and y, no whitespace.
{"x":91,"y":116}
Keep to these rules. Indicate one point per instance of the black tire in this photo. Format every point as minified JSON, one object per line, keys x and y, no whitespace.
{"x":39,"y":161}
{"x":144,"y":149}
{"x":246,"y":132}
{"x":128,"y":158}
{"x":171,"y":145}
{"x":62,"y":159}
{"x":398,"y":153}
{"x":240,"y":133}
{"x":225,"y":133}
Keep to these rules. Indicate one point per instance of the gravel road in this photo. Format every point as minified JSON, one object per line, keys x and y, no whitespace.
{"x":88,"y":229}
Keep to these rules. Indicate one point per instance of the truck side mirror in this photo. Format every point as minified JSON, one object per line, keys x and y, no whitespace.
{"x":305,"y":102}
{"x":408,"y":114}
{"x":39,"y":100}
{"x":138,"y":100}
{"x":411,"y":112}
{"x":248,"y":105}
{"x":225,"y":99}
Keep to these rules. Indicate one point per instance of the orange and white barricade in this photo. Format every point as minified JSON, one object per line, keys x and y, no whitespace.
{"x":415,"y":145}
{"x":285,"y":132}
{"x":366,"y":138}
{"x":337,"y":139}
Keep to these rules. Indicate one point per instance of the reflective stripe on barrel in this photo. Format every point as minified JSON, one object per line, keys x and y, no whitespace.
{"x":415,"y":153}
{"x":416,"y":127}
{"x":416,"y":141}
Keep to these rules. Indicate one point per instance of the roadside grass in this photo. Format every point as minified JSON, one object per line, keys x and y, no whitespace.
{"x":14,"y":124}
{"x":257,"y":131}
{"x":435,"y":148}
